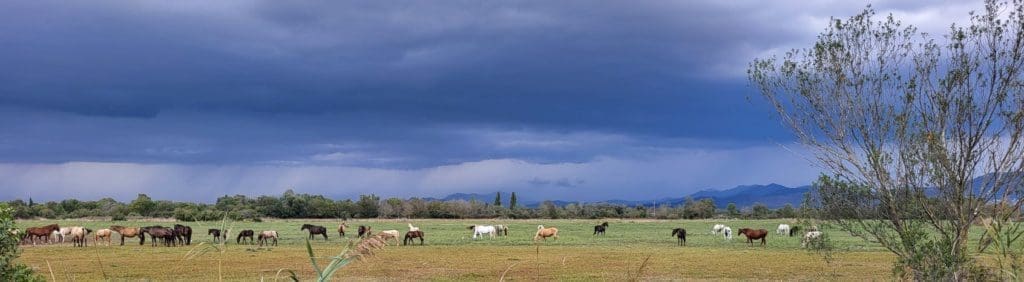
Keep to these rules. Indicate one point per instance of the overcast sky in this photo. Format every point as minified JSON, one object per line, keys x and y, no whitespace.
{"x":588,"y":100}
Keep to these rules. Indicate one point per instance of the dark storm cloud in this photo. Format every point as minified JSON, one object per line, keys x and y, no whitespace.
{"x":386,"y":85}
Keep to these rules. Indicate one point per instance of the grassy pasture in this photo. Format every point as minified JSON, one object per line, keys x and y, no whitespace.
{"x":450,"y":253}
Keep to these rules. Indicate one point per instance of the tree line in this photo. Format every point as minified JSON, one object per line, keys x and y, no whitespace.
{"x":299,"y":205}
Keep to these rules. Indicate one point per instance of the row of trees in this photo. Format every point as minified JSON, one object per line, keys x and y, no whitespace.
{"x":295,"y":205}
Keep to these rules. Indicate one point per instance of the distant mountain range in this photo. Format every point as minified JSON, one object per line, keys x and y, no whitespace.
{"x":772,"y":195}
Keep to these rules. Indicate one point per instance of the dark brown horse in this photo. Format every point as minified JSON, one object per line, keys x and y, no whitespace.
{"x":159,"y":232}
{"x":599,"y":229}
{"x":183,"y":233}
{"x":681,"y":235}
{"x":364,"y":231}
{"x":245,"y":234}
{"x":412,"y":235}
{"x":217,"y":235}
{"x":315,"y":230}
{"x":42,"y":232}
{"x":754,"y":234}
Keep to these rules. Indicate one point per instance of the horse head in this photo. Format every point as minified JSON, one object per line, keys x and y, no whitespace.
{"x":471,"y":227}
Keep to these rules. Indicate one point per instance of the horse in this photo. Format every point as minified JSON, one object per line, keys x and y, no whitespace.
{"x":314,"y":230}
{"x":810,"y":237}
{"x":599,"y":229}
{"x":753,"y":234}
{"x":544,"y":233}
{"x":413,"y":228}
{"x":389,"y":234}
{"x":130,"y":232}
{"x":341,"y":229}
{"x":502,"y":229}
{"x":265,"y":236}
{"x":793,"y":231}
{"x":680,"y":233}
{"x":411,"y":236}
{"x":364,"y":231}
{"x":78,"y":236}
{"x":248,"y":233}
{"x":217,"y":235}
{"x":159,"y":232}
{"x":783,"y":229}
{"x":717,"y":229}
{"x":480,"y":230}
{"x":42,"y":232}
{"x":104,"y":234}
{"x":183,"y":233}
{"x":727,"y":233}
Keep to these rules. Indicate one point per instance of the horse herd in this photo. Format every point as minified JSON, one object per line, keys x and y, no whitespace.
{"x":182,"y":234}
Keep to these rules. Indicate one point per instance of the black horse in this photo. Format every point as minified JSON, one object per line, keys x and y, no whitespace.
{"x":245,"y":234}
{"x":314,"y":230}
{"x":599,"y":229}
{"x":412,"y":235}
{"x":364,"y":230}
{"x":681,"y":234}
{"x":793,"y":231}
{"x":217,"y":235}
{"x":183,"y":233}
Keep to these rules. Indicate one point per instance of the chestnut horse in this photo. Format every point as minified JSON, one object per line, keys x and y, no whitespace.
{"x":103,"y":235}
{"x":753,"y":234}
{"x":130,"y":232}
{"x":42,"y":232}
{"x":680,"y":233}
{"x":412,"y":235}
{"x":544,"y":233}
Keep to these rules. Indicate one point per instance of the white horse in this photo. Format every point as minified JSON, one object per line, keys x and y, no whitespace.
{"x":727,"y":232}
{"x":783,"y":229}
{"x":61,"y":234}
{"x":717,"y":229}
{"x":480,"y":230}
{"x":413,"y":228}
{"x":813,"y":235}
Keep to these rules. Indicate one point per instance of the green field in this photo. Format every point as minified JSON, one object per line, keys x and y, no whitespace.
{"x":451,"y":254}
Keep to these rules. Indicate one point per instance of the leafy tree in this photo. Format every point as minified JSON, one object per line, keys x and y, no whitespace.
{"x":903,"y":124}
{"x":760,"y":210}
{"x":368,"y":206}
{"x":142,"y":205}
{"x":786,"y":211}
{"x":9,"y":269}
{"x":732,"y":210}
{"x":512,"y":201}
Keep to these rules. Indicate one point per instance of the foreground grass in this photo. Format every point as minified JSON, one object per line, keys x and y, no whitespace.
{"x":450,"y":254}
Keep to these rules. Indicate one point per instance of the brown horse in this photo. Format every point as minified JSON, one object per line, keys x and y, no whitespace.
{"x":103,"y":235}
{"x":544,"y":233}
{"x":341,"y":229}
{"x":753,"y":234}
{"x":412,"y":235}
{"x":159,"y":232}
{"x":364,"y":231}
{"x":217,"y":235}
{"x":248,"y":233}
{"x":599,"y":229}
{"x":130,"y":232}
{"x":42,"y":232}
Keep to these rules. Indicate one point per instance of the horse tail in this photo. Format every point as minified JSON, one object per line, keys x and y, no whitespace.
{"x":539,"y":227}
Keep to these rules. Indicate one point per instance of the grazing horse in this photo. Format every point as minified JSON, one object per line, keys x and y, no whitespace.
{"x":502,"y":229}
{"x":411,"y":236}
{"x":544,"y":233}
{"x":680,"y":233}
{"x":79,"y":236}
{"x":793,"y":231}
{"x":480,"y":230}
{"x":159,"y":232}
{"x":103,"y":234}
{"x":248,"y":233}
{"x":810,"y":237}
{"x":130,"y":232}
{"x":599,"y":229}
{"x":389,"y":234}
{"x":42,"y":232}
{"x":265,"y":236}
{"x":727,"y":233}
{"x":183,"y":233}
{"x":217,"y":235}
{"x":717,"y":229}
{"x":314,"y":230}
{"x":783,"y":229}
{"x":753,"y":234}
{"x":341,"y":229}
{"x":364,"y":231}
